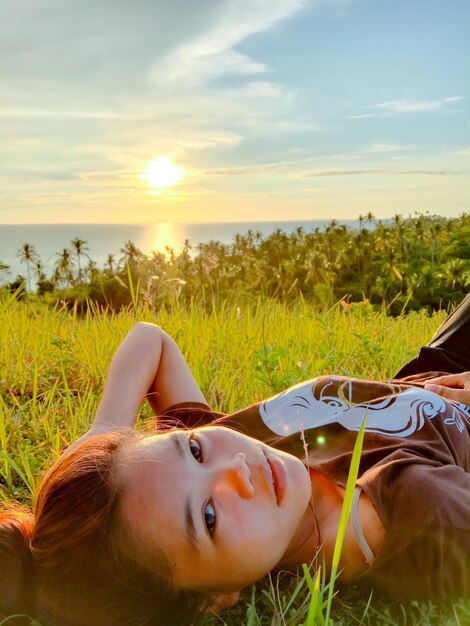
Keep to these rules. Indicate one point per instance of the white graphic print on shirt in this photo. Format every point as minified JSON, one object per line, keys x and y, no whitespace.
{"x":397,"y":415}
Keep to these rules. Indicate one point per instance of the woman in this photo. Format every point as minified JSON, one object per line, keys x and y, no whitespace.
{"x":148,"y":529}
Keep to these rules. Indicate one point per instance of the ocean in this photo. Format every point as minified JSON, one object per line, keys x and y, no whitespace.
{"x":103,"y":239}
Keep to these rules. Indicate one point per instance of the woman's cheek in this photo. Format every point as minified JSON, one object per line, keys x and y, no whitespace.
{"x":250,"y":529}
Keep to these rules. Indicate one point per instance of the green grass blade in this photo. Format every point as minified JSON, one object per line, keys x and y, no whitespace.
{"x":20,"y":473}
{"x":345,"y":511}
{"x":134,"y":292}
{"x":314,"y":594}
{"x":366,"y":607}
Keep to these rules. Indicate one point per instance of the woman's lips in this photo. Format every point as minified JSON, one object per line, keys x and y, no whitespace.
{"x":279,"y":477}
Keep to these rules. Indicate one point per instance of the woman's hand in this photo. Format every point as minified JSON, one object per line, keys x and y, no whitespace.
{"x":93,"y":430}
{"x":454,"y":387}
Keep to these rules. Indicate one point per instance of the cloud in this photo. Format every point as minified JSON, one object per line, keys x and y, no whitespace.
{"x":211,"y":54}
{"x":266,"y":168}
{"x":102,"y":81}
{"x":362,"y":116}
{"x":452,"y":112}
{"x":397,"y":107}
{"x":30,"y":112}
{"x":44,"y":174}
{"x":383,"y":148}
{"x":405,"y":106}
{"x":319,"y":173}
{"x":463,"y":152}
{"x":262,"y":168}
{"x":259,"y":89}
{"x":346,"y":156}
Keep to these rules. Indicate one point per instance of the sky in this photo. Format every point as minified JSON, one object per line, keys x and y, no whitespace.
{"x":269,"y":109}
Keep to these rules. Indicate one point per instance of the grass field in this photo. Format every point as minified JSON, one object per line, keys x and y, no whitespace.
{"x":53,"y":366}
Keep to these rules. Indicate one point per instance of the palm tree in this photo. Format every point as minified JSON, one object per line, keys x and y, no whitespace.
{"x":91,"y":271}
{"x":28,"y":255}
{"x":4,"y":267}
{"x":370,"y":218}
{"x":435,"y":236}
{"x":315,"y":264}
{"x":63,"y":267}
{"x":79,"y":246}
{"x":131,"y":254}
{"x":400,"y":233}
{"x":39,"y":270}
{"x":419,"y":235}
{"x":110,"y":263}
{"x":454,"y":274}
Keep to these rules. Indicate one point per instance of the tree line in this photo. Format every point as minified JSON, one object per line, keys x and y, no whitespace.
{"x":406,"y":263}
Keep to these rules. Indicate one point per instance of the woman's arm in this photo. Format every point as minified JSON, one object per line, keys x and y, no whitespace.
{"x":147,"y":365}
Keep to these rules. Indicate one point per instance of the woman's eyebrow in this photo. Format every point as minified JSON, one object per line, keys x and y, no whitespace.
{"x":178,"y":445}
{"x":190,"y":527}
{"x":188,"y":509}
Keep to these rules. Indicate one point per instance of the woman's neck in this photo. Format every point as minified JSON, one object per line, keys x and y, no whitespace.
{"x":308,"y":540}
{"x":316,"y":534}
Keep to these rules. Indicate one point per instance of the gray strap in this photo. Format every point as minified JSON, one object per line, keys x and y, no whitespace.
{"x":361,"y":540}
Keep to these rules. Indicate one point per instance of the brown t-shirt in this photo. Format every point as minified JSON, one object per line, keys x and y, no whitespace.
{"x":414,"y":467}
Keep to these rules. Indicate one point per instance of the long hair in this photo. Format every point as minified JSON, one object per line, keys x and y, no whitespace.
{"x":74,"y":562}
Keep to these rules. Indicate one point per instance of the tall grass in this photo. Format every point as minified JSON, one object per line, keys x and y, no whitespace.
{"x":53,"y":366}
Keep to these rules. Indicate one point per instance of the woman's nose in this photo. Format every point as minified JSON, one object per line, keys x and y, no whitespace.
{"x":235,"y":475}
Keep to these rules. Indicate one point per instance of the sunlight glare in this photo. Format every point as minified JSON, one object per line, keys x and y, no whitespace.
{"x":162,"y":173}
{"x":165,"y":234}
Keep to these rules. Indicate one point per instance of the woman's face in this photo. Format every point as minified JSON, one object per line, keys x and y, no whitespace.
{"x":223,"y":507}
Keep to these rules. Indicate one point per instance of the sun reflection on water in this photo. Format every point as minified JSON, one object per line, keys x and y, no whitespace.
{"x":163,"y":235}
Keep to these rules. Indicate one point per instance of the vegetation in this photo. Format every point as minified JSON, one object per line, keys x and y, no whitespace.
{"x":53,"y":364}
{"x":405,"y":263}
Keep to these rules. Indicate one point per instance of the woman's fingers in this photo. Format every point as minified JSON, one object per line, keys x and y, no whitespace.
{"x":451,"y":380}
{"x":451,"y":393}
{"x":453,"y":386}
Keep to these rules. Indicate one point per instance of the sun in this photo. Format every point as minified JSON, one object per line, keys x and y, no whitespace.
{"x":162,"y":173}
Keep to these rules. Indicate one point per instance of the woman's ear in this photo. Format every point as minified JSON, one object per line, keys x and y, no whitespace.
{"x":221,"y":601}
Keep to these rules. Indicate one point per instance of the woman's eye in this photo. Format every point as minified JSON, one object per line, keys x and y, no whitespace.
{"x":195,"y":449}
{"x":209,"y":517}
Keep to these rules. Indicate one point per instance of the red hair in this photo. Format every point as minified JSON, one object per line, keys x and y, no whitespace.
{"x":74,"y":563}
{"x":16,"y":528}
